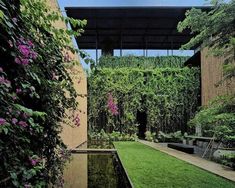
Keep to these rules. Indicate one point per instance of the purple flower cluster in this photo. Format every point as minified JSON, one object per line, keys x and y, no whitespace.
{"x":27,"y":185}
{"x":18,"y":91}
{"x":34,"y":160}
{"x":112,"y":106}
{"x":4,"y":81}
{"x":14,"y":121}
{"x":77,"y":120}
{"x":2,"y":121}
{"x":26,"y":48}
{"x":22,"y":124}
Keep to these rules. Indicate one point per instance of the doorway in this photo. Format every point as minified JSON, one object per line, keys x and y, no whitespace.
{"x":142,"y":121}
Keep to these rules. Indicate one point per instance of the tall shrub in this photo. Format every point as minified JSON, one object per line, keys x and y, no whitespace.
{"x":35,"y":90}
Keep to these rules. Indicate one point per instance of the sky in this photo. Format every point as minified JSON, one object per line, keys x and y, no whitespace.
{"x":113,"y":3}
{"x":64,"y":3}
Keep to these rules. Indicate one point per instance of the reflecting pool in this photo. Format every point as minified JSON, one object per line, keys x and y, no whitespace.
{"x":95,"y":171}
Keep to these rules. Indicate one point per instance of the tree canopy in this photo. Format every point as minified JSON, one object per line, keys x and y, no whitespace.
{"x":214,"y":29}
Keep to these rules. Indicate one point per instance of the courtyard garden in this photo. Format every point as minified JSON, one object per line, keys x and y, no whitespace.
{"x":146,"y":126}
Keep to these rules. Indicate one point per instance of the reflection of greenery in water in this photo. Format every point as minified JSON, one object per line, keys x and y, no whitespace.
{"x":100,"y":144}
{"x":103,"y":172}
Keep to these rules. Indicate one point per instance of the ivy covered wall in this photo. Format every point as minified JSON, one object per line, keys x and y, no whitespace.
{"x":168,"y":94}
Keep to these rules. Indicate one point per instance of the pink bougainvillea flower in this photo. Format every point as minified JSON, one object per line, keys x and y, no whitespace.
{"x":21,"y":61}
{"x":2,"y":121}
{"x":17,"y":60}
{"x":33,"y":55}
{"x":112,"y":106}
{"x":14,"y":121}
{"x":22,"y":124}
{"x":33,"y":162}
{"x":30,"y":43}
{"x":4,"y":81}
{"x":1,"y":69}
{"x":24,"y":50}
{"x":25,"y":61}
{"x":18,"y":91}
{"x":76,"y":120}
{"x":27,"y":185}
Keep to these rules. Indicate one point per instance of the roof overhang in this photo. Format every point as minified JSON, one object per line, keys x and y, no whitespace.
{"x":131,"y":27}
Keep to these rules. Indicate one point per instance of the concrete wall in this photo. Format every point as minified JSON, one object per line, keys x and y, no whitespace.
{"x":211,"y":74}
{"x":74,"y":136}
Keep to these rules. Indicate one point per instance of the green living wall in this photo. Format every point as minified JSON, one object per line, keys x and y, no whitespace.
{"x":168,"y":94}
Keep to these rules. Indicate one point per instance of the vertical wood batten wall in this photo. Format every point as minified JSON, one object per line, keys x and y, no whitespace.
{"x":74,"y":136}
{"x":211,"y":74}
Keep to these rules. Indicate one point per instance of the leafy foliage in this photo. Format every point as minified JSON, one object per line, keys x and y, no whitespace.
{"x":149,"y":136}
{"x":142,"y":62}
{"x":171,"y":137}
{"x":35,"y":91}
{"x":218,"y":119}
{"x":113,"y":136}
{"x":214,"y":29}
{"x":169,"y":96}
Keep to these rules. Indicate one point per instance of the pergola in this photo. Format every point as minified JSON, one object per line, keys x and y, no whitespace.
{"x":121,"y":28}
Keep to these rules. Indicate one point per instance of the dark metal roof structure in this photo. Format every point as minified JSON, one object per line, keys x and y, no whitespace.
{"x":131,"y":27}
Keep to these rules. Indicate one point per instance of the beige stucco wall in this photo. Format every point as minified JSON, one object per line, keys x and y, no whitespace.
{"x":211,"y":74}
{"x":72,"y":135}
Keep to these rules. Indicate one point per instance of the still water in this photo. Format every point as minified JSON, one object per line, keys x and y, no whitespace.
{"x":94,"y":171}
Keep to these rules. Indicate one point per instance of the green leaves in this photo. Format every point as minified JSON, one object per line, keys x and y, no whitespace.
{"x":1,"y":16}
{"x":30,"y":112}
{"x":213,"y":29}
{"x":218,"y":119}
{"x":142,"y":62}
{"x":169,"y":96}
{"x":33,"y":99}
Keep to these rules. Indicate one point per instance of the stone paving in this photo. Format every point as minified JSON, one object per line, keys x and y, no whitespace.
{"x":210,"y":166}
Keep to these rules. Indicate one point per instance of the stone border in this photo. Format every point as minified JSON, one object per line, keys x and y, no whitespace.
{"x":125,"y":171}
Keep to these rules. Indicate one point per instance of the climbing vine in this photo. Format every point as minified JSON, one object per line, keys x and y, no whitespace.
{"x":169,"y":96}
{"x":142,"y":62}
{"x":35,"y":91}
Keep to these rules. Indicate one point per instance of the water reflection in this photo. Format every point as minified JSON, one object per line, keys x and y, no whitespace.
{"x":76,"y":172}
{"x":94,"y":171}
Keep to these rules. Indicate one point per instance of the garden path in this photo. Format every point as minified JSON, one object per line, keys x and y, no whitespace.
{"x":210,"y":166}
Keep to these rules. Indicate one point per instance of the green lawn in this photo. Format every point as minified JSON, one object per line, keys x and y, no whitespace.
{"x":149,"y":168}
